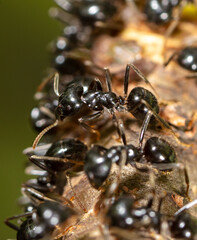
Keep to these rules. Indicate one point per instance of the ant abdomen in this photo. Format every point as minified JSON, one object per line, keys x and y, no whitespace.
{"x":69,"y":149}
{"x":97,"y":167}
{"x":157,"y":150}
{"x":137,"y":107}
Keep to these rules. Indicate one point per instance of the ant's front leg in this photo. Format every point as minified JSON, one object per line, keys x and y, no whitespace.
{"x":85,"y":119}
{"x":12,"y":225}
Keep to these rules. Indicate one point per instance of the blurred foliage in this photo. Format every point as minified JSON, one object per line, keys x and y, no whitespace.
{"x":26,"y":29}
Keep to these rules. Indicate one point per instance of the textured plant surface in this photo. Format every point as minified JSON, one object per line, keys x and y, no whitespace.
{"x":142,"y":44}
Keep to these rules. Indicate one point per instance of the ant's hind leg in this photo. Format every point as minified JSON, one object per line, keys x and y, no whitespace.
{"x":165,"y":124}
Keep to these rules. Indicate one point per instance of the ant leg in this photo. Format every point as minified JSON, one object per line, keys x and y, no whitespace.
{"x":170,"y":30}
{"x":60,"y":15}
{"x":186,"y":181}
{"x":108,"y":79}
{"x":170,"y":166}
{"x":39,"y":161}
{"x":113,"y":188}
{"x":37,"y":196}
{"x":140,"y":74}
{"x":170,"y":58}
{"x":43,"y":132}
{"x":30,"y":170}
{"x":34,"y":195}
{"x":192,"y":76}
{"x":75,"y":194}
{"x":144,"y":127}
{"x":56,"y":84}
{"x":166,"y":166}
{"x":165,"y":124}
{"x":12,"y":225}
{"x":93,"y":116}
{"x":99,"y":84}
{"x":120,"y":127}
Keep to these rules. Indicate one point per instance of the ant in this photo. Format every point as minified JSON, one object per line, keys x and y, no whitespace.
{"x":124,"y":215}
{"x":157,"y":151}
{"x":88,"y":93}
{"x":161,"y":12}
{"x":42,"y":220}
{"x":46,"y":182}
{"x":187,"y":59}
{"x":61,"y":158}
{"x":94,"y":13}
{"x":42,"y":116}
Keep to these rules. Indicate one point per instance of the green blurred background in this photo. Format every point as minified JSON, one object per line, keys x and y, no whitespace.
{"x":25,"y":31}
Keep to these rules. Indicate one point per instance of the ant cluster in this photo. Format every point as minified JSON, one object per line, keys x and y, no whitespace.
{"x":73,"y":95}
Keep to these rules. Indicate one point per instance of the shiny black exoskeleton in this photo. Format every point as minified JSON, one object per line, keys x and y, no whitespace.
{"x":29,"y":231}
{"x":187,"y":58}
{"x":41,"y":221}
{"x":70,"y":101}
{"x":48,"y":183}
{"x":43,"y":116}
{"x":157,"y":150}
{"x":98,"y":160}
{"x":88,"y":93}
{"x":61,"y":156}
{"x":123,"y":214}
{"x":89,"y":11}
{"x":183,"y":226}
{"x":160,"y":11}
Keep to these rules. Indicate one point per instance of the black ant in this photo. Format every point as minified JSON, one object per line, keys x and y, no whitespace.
{"x":98,"y":160}
{"x":94,"y":13}
{"x":42,"y":116}
{"x":124,"y":215}
{"x":42,"y":220}
{"x":59,"y":160}
{"x":61,"y":155}
{"x":186,"y":58}
{"x":161,"y":12}
{"x":46,"y":182}
{"x":88,"y":92}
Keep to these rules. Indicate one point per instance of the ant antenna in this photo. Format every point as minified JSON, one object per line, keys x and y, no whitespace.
{"x":108,"y":79}
{"x":56,"y":84}
{"x":140,"y":74}
{"x":41,"y":134}
{"x":170,"y":59}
